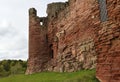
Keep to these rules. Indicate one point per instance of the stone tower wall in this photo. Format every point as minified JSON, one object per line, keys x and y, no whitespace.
{"x":38,"y":48}
{"x":108,"y":45}
{"x":65,"y":41}
{"x":74,"y":35}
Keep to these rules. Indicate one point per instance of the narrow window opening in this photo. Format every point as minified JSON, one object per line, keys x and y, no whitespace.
{"x":41,"y":23}
{"x":51,"y":54}
{"x":46,"y":38}
{"x":51,"y":51}
{"x":56,"y":14}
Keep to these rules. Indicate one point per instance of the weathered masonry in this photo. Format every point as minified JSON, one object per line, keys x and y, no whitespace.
{"x":108,"y":42}
{"x":78,"y":34}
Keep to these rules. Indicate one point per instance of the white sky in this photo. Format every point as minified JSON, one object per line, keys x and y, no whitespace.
{"x":14,"y":26}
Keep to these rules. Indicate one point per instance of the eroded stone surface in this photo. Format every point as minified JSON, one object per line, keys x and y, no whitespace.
{"x":72,"y":37}
{"x":74,"y":48}
{"x":108,"y":45}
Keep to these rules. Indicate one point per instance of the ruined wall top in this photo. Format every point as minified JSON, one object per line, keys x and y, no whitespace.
{"x":53,"y":11}
{"x":32,"y":11}
{"x":54,"y":8}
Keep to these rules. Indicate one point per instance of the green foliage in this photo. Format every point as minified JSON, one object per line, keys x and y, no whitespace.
{"x":6,"y":65}
{"x":12,"y":67}
{"x":3,"y":73}
{"x":80,"y":76}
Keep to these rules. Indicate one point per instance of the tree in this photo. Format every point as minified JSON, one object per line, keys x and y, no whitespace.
{"x":6,"y":65}
{"x":17,"y":69}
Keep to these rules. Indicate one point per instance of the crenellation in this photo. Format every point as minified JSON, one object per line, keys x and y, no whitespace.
{"x":32,"y":12}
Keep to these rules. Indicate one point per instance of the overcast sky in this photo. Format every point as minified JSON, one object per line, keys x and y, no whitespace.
{"x":14,"y":26}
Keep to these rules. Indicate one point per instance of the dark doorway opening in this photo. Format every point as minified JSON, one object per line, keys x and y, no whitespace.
{"x":51,"y":51}
{"x":51,"y":54}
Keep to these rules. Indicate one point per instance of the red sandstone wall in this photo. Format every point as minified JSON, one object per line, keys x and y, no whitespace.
{"x":76,"y":36}
{"x":74,"y":28}
{"x":108,"y":45}
{"x":38,"y":45}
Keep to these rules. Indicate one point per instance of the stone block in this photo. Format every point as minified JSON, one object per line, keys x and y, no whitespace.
{"x":82,"y":48}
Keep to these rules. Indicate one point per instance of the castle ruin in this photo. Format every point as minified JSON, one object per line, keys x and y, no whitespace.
{"x":76,"y":35}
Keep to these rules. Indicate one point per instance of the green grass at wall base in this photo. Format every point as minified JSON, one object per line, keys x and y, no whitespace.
{"x":80,"y":76}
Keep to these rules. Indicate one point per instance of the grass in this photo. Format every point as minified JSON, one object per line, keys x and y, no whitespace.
{"x":80,"y":76}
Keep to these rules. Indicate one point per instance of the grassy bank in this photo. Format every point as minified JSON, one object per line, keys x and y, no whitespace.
{"x":80,"y":76}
